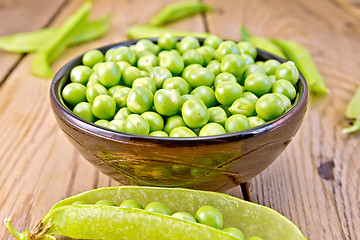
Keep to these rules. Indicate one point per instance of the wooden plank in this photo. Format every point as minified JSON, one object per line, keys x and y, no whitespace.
{"x":315,"y":182}
{"x":21,"y":16}
{"x":38,"y":165}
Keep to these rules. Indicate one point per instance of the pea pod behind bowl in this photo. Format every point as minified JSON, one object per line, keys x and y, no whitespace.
{"x":109,"y":222}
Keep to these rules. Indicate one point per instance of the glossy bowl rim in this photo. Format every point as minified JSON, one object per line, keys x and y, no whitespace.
{"x":93,"y":129}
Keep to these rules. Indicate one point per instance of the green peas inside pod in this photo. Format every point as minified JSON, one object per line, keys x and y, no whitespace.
{"x":158,"y":207}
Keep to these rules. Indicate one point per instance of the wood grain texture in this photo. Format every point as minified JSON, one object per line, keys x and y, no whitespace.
{"x":315,"y":182}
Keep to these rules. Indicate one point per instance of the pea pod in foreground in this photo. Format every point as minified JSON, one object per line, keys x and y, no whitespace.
{"x":108,"y":222}
{"x":353,"y":112}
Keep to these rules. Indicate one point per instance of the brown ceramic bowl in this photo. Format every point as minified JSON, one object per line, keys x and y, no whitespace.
{"x":209,"y":163}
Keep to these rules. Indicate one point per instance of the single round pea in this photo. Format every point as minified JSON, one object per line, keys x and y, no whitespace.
{"x":140,"y":99}
{"x":145,"y":82}
{"x":105,"y":202}
{"x":225,"y":48}
{"x":248,"y":59}
{"x":270,"y":66}
{"x":92,"y":57}
{"x":102,"y":123}
{"x":222,"y":77}
{"x":215,"y":67}
{"x":195,"y":113}
{"x":167,"y":102}
{"x":187,"y":43}
{"x":234,"y":64}
{"x":74,"y":93}
{"x":285,"y":99}
{"x":227,"y":92}
{"x":130,"y":74}
{"x":158,"y":207}
{"x":167,"y":41}
{"x":159,"y":75}
{"x":131,"y":204}
{"x":182,"y":132}
{"x":200,"y":77}
{"x":253,"y":68}
{"x":173,"y":122}
{"x":235,"y":232}
{"x":217,"y":115}
{"x":189,"y":96}
{"x":244,"y":106}
{"x":284,"y":87}
{"x":122,"y":65}
{"x":184,"y":216}
{"x":210,"y":216}
{"x":206,"y":94}
{"x":117,"y":125}
{"x":211,"y":129}
{"x":136,"y":124}
{"x":156,"y":122}
{"x":147,"y":62}
{"x":172,"y":61}
{"x":213,"y":41}
{"x":113,"y":89}
{"x":145,"y":45}
{"x":109,"y":74}
{"x":94,"y":78}
{"x":251,"y":96}
{"x":256,"y":121}
{"x":109,"y":54}
{"x":104,"y":107}
{"x":207,"y":52}
{"x":158,"y":134}
{"x":178,"y":84}
{"x":237,"y":123}
{"x":269,"y":107}
{"x":185,"y":73}
{"x":80,"y":74}
{"x":258,"y":83}
{"x":192,"y":57}
{"x":288,"y":71}
{"x":125,"y":54}
{"x":122,"y":114}
{"x":96,"y":66}
{"x":247,"y":48}
{"x":84,"y":111}
{"x":95,"y":90}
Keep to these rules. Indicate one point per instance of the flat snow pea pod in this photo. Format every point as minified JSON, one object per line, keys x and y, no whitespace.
{"x":64,"y":219}
{"x":55,"y":45}
{"x":180,"y":10}
{"x":353,"y":112}
{"x":149,"y":31}
{"x":305,"y":63}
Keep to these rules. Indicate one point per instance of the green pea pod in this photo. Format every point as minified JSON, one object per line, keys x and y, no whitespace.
{"x":353,"y":112}
{"x":304,"y":62}
{"x":261,"y":42}
{"x":32,"y":41}
{"x":108,"y":222}
{"x":149,"y":31}
{"x":55,"y":45}
{"x":180,"y":10}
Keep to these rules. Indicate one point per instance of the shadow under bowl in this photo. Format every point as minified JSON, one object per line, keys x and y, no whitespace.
{"x":210,"y":163}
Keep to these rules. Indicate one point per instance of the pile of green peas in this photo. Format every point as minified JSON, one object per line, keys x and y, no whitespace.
{"x":180,"y":88}
{"x":207,"y":215}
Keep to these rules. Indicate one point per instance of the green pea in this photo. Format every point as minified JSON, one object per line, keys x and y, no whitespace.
{"x":104,"y":107}
{"x":244,"y":106}
{"x":235,"y":232}
{"x":187,"y":43}
{"x":92,"y":57}
{"x":95,"y":90}
{"x":167,"y":102}
{"x":185,"y":73}
{"x":195,"y":113}
{"x":122,"y":65}
{"x":144,"y":73}
{"x":217,"y":115}
{"x":237,"y":123}
{"x":130,"y":74}
{"x":260,"y":63}
{"x":285,"y":100}
{"x":158,"y":207}
{"x":213,"y":41}
{"x":172,"y":61}
{"x":105,"y":202}
{"x":248,"y":59}
{"x":131,"y":204}
{"x":178,"y":84}
{"x":74,"y":93}
{"x":206,"y":94}
{"x":109,"y":54}
{"x":284,"y":87}
{"x":234,"y":64}
{"x":222,"y":77}
{"x":84,"y":111}
{"x":215,"y":67}
{"x":270,"y":66}
{"x":136,"y":124}
{"x":200,"y":77}
{"x":173,"y":122}
{"x":167,"y":41}
{"x":182,"y":132}
{"x":251,"y":96}
{"x":156,"y":122}
{"x":247,"y":48}
{"x":147,"y":62}
{"x":187,"y":97}
{"x":225,"y":48}
{"x":272,"y":79}
{"x":159,"y":75}
{"x":227,"y":92}
{"x":207,"y":52}
{"x":192,"y":57}
{"x":122,"y":114}
{"x":113,"y":89}
{"x":210,"y":216}
{"x":256,"y":121}
{"x":211,"y":129}
{"x":102,"y":123}
{"x":288,"y":71}
{"x":253,"y":68}
{"x":158,"y":134}
{"x":125,"y":54}
{"x":145,"y":45}
{"x":269,"y":107}
{"x":94,"y":78}
{"x":184,"y":216}
{"x":117,"y":125}
{"x":140,"y":99}
{"x":96,"y":66}
{"x":145,"y":82}
{"x":109,"y":74}
{"x":258,"y":83}
{"x":80,"y":74}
